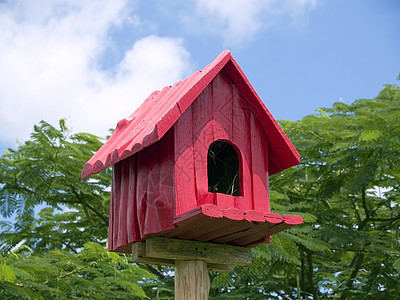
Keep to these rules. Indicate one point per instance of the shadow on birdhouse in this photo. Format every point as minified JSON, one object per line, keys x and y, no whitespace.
{"x":193,"y":161}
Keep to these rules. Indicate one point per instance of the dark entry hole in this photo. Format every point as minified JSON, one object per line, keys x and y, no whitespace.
{"x":223,"y":169}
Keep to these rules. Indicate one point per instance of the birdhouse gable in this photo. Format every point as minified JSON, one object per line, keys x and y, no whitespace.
{"x":221,"y":151}
{"x":161,"y":110}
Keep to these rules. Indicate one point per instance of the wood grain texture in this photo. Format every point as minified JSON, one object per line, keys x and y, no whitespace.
{"x":143,"y":195}
{"x":123,"y":205}
{"x":259,"y":166}
{"x":170,"y":248}
{"x":165,"y":200}
{"x":139,"y":256}
{"x":191,"y":280}
{"x":131,"y":222}
{"x":222,"y":109}
{"x":202,"y":116}
{"x":114,"y":207}
{"x":184,"y":164}
{"x":241,"y":138}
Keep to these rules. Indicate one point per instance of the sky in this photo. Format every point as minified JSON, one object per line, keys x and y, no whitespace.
{"x":94,"y":62}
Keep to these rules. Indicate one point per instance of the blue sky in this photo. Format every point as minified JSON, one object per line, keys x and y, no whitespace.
{"x":94,"y":62}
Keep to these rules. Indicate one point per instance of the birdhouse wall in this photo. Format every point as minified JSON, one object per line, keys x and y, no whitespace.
{"x":220,"y":113}
{"x":143,"y":195}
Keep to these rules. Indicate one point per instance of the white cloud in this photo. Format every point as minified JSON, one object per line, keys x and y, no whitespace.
{"x":50,"y":54}
{"x":238,"y":21}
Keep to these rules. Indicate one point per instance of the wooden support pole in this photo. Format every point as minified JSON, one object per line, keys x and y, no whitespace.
{"x":192,"y":260}
{"x":191,"y":280}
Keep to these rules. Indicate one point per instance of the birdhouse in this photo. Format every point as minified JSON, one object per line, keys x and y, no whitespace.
{"x":193,"y":161}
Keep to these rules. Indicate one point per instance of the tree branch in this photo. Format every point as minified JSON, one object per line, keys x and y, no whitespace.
{"x":92,"y":208}
{"x":357,"y":261}
{"x":366,"y":210}
{"x":310,"y":275}
{"x":283,"y":295}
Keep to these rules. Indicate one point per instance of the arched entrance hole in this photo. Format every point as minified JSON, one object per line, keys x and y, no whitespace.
{"x":223,"y":169}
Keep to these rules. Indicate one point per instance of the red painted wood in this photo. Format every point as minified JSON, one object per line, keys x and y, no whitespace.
{"x":114,"y":207}
{"x":202,"y":223}
{"x":208,"y":210}
{"x":292,"y":220}
{"x":152,"y":181}
{"x":256,"y":233}
{"x":254,"y":216}
{"x":210,"y":223}
{"x":141,"y":191}
{"x":123,"y":205}
{"x":202,"y":117}
{"x":249,"y":232}
{"x":283,"y":155}
{"x":273,"y":218}
{"x":234,"y":214}
{"x":184,"y":164}
{"x":164,"y":202}
{"x":202,"y":216}
{"x":241,"y":138}
{"x":224,"y":201}
{"x":222,"y":107}
{"x":259,"y":174}
{"x":111,"y":217}
{"x":132,"y":225}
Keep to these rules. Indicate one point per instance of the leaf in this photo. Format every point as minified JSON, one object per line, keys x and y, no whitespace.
{"x":323,"y":113}
{"x":370,"y":135}
{"x":95,"y":247}
{"x":8,"y":204}
{"x":7,"y":273}
{"x":396,"y":264}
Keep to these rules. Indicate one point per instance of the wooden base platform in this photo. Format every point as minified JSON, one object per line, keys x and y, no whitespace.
{"x":208,"y":223}
{"x":166,"y":251}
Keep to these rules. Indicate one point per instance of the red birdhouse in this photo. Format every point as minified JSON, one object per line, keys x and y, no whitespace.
{"x":193,"y":161}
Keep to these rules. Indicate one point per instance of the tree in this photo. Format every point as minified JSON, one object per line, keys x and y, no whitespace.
{"x":347,"y":189}
{"x":349,"y":178}
{"x":45,"y":171}
{"x":55,"y":248}
{"x":93,"y":273}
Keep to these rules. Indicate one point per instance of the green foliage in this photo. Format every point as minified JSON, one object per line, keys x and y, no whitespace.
{"x":45,"y":171}
{"x":348,"y":179}
{"x":347,"y":188}
{"x":94,"y":273}
{"x":55,"y":248}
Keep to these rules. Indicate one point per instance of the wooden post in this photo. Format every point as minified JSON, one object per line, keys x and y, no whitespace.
{"x":191,"y":280}
{"x":192,"y":260}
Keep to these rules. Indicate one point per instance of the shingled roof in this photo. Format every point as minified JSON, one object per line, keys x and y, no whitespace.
{"x":161,"y":110}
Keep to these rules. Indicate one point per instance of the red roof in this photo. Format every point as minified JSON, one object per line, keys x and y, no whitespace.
{"x":161,"y":110}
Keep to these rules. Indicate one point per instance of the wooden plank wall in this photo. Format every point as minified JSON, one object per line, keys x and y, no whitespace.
{"x":142,"y":196}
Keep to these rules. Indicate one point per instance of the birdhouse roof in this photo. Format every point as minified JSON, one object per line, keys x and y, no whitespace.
{"x":161,"y":110}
